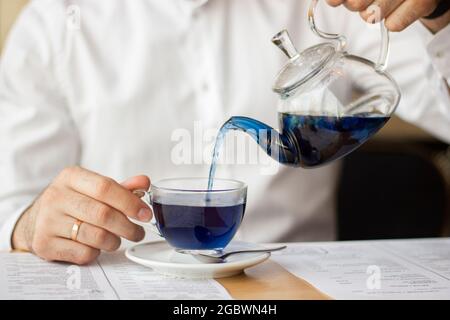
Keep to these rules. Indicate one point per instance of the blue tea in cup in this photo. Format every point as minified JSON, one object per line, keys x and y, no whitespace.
{"x":191,"y":217}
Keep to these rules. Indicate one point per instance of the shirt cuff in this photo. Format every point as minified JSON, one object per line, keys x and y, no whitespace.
{"x":7,"y":228}
{"x":439,"y":51}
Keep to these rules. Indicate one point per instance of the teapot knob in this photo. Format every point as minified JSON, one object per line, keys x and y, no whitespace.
{"x":283,"y":41}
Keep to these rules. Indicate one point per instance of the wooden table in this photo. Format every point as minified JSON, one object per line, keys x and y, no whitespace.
{"x":271,"y":281}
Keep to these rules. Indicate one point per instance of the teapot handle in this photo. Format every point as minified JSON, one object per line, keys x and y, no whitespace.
{"x":342,"y":40}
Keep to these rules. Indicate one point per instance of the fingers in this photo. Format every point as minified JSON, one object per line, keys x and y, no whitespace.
{"x":137,"y":182}
{"x":99,"y":214}
{"x":379,"y":10}
{"x":408,"y":12}
{"x":335,"y":3}
{"x":353,"y":5}
{"x":59,"y":249}
{"x":99,"y":202}
{"x":357,"y":5}
{"x":399,"y":14}
{"x":88,"y":234}
{"x":107,"y":191}
{"x":94,"y":212}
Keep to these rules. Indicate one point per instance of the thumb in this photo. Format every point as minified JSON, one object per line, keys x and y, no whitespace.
{"x":137,"y":182}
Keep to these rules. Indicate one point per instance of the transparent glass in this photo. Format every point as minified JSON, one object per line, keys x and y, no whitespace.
{"x":192,"y":218}
{"x":317,"y":81}
{"x":330,"y":101}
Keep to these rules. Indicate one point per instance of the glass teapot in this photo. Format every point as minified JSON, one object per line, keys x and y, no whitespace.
{"x":330,"y":102}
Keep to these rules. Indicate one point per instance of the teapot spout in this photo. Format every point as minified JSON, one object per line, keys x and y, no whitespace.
{"x":278,"y":146}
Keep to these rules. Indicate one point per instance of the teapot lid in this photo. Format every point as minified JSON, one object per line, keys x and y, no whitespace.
{"x":301,"y":66}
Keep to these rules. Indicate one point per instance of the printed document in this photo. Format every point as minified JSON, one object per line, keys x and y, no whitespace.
{"x":386,"y":269}
{"x":111,"y":277}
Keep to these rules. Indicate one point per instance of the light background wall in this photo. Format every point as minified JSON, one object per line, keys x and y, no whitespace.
{"x":396,"y":129}
{"x":9,"y":9}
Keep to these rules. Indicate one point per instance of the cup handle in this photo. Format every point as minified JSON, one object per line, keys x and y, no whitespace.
{"x":342,"y":41}
{"x":146,"y":196}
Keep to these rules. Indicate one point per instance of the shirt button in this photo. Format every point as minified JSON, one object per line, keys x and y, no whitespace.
{"x":205,"y":87}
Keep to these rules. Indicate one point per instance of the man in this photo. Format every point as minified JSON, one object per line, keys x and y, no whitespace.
{"x":110,"y":91}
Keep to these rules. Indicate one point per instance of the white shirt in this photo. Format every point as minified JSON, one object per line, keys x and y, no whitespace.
{"x":116,"y":94}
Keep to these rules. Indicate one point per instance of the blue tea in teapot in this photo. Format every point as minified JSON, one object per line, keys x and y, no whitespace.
{"x":330,"y":102}
{"x":304,"y":140}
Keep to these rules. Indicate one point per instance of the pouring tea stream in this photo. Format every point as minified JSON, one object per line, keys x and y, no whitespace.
{"x":317,"y":123}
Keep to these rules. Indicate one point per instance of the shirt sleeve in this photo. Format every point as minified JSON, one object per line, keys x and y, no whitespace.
{"x":37,"y":135}
{"x":439,"y":51}
{"x":425,"y":97}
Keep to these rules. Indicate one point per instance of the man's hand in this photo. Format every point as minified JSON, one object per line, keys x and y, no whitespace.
{"x":399,"y":14}
{"x":102,"y":205}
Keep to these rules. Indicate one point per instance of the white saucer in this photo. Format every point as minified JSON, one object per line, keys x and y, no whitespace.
{"x":165,"y":260}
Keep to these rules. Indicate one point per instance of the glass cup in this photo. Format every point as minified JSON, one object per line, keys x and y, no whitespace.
{"x":192,"y":218}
